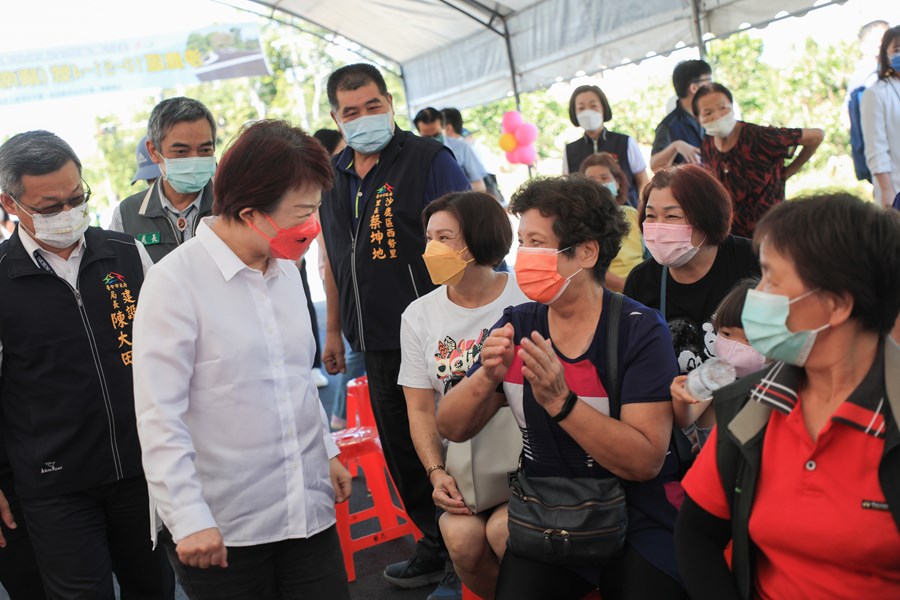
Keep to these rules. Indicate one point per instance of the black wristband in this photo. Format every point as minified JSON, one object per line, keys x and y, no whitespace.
{"x":571,"y":399}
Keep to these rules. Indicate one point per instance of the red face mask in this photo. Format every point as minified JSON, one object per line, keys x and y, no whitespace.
{"x":293,"y":242}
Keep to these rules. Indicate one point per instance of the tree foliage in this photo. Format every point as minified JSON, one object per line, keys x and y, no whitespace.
{"x":809,"y":93}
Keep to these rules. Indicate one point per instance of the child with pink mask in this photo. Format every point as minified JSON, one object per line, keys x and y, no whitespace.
{"x":697,"y":416}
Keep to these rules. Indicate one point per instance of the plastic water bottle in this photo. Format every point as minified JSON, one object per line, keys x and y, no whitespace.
{"x":708,"y":377}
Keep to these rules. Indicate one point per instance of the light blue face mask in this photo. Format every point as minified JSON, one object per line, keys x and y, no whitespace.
{"x":613,"y":188}
{"x":189,"y":175}
{"x":369,"y":134}
{"x":765,"y":323}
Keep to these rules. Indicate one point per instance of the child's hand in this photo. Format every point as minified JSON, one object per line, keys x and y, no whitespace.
{"x":679,"y":392}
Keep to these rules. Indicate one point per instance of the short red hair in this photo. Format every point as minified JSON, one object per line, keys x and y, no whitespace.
{"x":705,"y":202}
{"x":266,"y":160}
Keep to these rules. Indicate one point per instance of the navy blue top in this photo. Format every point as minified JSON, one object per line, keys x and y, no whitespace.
{"x":678,"y":125}
{"x":445,"y":175}
{"x":646,"y":369}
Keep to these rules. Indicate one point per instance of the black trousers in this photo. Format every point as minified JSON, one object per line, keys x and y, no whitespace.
{"x":19,"y":572}
{"x":301,"y":569}
{"x":389,"y":407}
{"x":80,"y":539}
{"x":630,"y":577}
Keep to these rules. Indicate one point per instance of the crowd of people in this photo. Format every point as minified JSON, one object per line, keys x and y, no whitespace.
{"x":159,"y":411}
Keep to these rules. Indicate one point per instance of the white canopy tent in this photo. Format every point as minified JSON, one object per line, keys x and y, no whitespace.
{"x":467,"y":52}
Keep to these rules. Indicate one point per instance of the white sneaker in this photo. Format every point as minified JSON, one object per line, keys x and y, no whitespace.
{"x":319,"y":378}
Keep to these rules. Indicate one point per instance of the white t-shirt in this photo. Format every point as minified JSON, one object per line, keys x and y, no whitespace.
{"x":440,"y":340}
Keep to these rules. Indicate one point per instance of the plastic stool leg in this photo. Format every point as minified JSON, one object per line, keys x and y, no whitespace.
{"x":342,"y":511}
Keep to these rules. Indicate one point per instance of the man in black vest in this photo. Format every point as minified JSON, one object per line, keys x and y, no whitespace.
{"x":374,"y":237}
{"x":68,"y":293}
{"x":181,"y":140}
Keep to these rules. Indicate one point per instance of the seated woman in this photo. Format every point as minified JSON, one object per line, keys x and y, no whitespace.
{"x":685,"y":217}
{"x":236,"y":447}
{"x":547,"y":359}
{"x":604,"y":169}
{"x":802,"y":468}
{"x":589,"y":109}
{"x":749,"y":159}
{"x":441,"y":335}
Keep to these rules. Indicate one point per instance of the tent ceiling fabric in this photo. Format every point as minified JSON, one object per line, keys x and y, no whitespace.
{"x":450,"y":57}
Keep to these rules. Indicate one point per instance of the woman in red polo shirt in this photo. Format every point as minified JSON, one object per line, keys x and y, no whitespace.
{"x":803,"y":468}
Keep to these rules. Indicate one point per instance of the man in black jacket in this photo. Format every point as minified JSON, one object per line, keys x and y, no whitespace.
{"x":373,"y":231}
{"x":68,"y":293}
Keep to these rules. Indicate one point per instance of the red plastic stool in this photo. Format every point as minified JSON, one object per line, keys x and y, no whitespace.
{"x":359,"y":405}
{"x":361,"y":445}
{"x":359,"y":411}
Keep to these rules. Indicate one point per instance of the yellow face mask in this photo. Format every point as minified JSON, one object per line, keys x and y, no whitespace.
{"x":444,"y":264}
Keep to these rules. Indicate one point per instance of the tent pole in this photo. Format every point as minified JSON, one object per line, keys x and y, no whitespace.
{"x":512,"y":72}
{"x":698,"y":28}
{"x":512,"y":64}
{"x":406,"y":97}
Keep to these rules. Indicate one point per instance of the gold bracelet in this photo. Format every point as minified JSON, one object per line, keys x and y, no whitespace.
{"x":433,"y":468}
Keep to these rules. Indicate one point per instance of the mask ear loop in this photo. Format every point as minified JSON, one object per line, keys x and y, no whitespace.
{"x":256,"y":229}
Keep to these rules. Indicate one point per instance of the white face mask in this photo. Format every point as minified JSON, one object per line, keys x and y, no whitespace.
{"x":590,"y":120}
{"x":721,"y":127}
{"x":62,"y":229}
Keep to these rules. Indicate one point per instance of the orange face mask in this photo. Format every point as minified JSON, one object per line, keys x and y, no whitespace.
{"x":537,"y":274}
{"x":444,"y":264}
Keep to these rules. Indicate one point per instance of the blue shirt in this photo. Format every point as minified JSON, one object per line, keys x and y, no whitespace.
{"x":444,"y":176}
{"x":466,"y":158}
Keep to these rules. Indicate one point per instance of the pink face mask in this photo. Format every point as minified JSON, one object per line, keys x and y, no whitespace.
{"x":670,"y":245}
{"x":742,"y":357}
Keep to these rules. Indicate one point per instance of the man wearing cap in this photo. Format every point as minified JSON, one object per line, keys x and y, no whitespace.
{"x":181,"y":142}
{"x":147,"y":170}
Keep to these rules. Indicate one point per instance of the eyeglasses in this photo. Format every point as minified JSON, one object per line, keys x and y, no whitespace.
{"x":55,"y":209}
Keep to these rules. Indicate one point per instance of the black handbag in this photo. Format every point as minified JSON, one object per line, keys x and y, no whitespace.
{"x":567,"y":520}
{"x":572,"y":520}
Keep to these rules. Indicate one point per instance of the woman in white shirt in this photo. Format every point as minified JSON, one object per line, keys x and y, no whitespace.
{"x":440,"y":338}
{"x":236,"y":449}
{"x":880,"y":115}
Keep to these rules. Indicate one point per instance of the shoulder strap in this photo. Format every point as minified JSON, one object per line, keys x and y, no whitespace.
{"x":614,"y":317}
{"x":662,"y":292}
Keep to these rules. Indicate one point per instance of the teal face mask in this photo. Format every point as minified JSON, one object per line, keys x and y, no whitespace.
{"x":189,"y":175}
{"x":765,"y":324}
{"x":613,"y":188}
{"x":369,"y":134}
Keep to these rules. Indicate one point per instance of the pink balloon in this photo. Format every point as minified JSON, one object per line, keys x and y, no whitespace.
{"x":511,"y":157}
{"x":525,"y":155}
{"x":526,"y":133}
{"x":511,"y":120}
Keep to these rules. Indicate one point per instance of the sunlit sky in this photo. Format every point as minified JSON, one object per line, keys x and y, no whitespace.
{"x":42,"y":24}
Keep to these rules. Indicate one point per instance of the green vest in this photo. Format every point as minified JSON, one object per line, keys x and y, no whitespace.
{"x":144,"y":217}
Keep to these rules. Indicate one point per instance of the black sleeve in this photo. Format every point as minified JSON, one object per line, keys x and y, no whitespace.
{"x":662,"y":140}
{"x":700,"y":540}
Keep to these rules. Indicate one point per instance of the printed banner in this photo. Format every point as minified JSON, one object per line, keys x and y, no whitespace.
{"x":215,"y":52}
